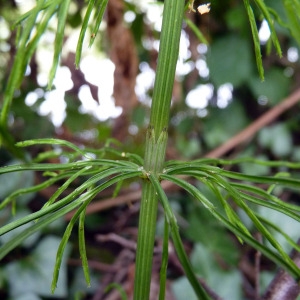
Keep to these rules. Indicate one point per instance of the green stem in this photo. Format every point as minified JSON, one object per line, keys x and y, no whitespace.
{"x":167,"y":59}
{"x":146,"y":237}
{"x":156,"y":141}
{"x":154,"y":159}
{"x":164,"y":261}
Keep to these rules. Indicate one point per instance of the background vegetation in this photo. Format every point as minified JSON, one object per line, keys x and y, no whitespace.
{"x":236,"y":98}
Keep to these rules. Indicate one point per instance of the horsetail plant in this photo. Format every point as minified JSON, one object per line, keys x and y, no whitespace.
{"x":103,"y":172}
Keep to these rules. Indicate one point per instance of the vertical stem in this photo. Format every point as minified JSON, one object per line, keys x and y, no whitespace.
{"x":164,"y":261}
{"x":156,"y":141}
{"x":167,"y":59}
{"x":146,"y":236}
{"x":154,"y":159}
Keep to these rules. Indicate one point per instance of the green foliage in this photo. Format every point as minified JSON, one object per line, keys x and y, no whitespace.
{"x":188,"y":147}
{"x":227,"y":283}
{"x":224,"y":200}
{"x":254,"y":169}
{"x":255,"y":39}
{"x":292,"y":9}
{"x":32,"y":275}
{"x":221,"y":63}
{"x":26,"y":45}
{"x":226,"y":123}
{"x":61,"y":17}
{"x":213,"y":237}
{"x":10,"y":181}
{"x":182,"y":289}
{"x":268,"y":92}
{"x":278,"y":139}
{"x":99,"y":7}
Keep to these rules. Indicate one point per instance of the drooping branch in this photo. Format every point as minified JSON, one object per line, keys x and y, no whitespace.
{"x":242,"y":137}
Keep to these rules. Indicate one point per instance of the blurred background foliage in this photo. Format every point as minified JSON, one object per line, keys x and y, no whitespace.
{"x":217,"y":94}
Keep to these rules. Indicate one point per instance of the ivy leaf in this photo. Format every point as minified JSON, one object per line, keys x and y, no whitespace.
{"x":230,"y":60}
{"x":274,"y":88}
{"x":33,"y":274}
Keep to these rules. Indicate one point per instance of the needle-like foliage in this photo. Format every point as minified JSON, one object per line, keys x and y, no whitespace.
{"x":97,"y":171}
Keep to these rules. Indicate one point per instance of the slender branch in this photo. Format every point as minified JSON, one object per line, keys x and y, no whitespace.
{"x":246,"y":134}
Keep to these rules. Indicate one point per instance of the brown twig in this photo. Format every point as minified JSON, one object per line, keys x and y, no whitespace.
{"x":246,"y":134}
{"x":284,"y":286}
{"x":109,"y":203}
{"x":112,"y":237}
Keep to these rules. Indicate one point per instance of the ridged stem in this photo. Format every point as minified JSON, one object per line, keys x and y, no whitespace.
{"x":166,"y":65}
{"x":156,"y":141}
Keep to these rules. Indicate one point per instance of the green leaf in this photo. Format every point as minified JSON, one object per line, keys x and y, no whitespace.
{"x":224,"y":123}
{"x":41,"y":27}
{"x":34,"y":273}
{"x":263,"y":8}
{"x":59,"y":38}
{"x":292,"y":8}
{"x":273,"y":89}
{"x":227,"y":283}
{"x":76,"y":121}
{"x":277,"y":138}
{"x":71,"y":201}
{"x":255,"y":39}
{"x":213,"y":236}
{"x":82,"y":248}
{"x":139,"y":114}
{"x":285,"y":223}
{"x":188,"y":147}
{"x":99,"y":12}
{"x":83,"y":31}
{"x":182,"y":289}
{"x":13,"y":181}
{"x":255,"y":169}
{"x":236,"y":18}
{"x":280,"y":257}
{"x":78,"y":285}
{"x":230,"y":60}
{"x":27,"y":296}
{"x":30,"y":241}
{"x":99,"y":6}
{"x":17,"y":71}
{"x":64,"y":242}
